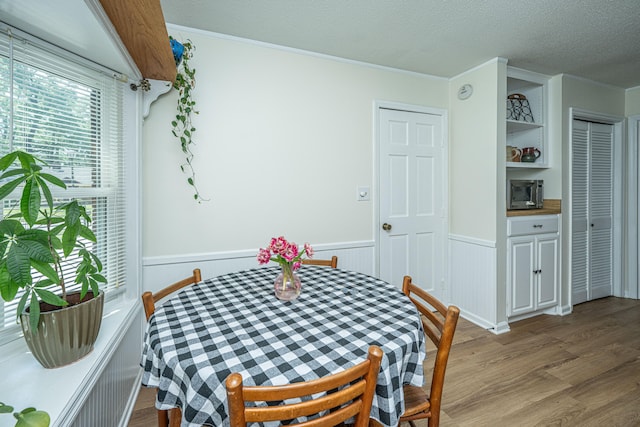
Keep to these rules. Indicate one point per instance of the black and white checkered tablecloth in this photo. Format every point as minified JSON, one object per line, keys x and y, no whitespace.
{"x":234,"y":323}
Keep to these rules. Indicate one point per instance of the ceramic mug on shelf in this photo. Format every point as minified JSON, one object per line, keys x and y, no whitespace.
{"x":530,"y":154}
{"x":513,"y":154}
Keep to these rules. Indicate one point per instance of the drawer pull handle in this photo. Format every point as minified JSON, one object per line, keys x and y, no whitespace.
{"x":537,"y":225}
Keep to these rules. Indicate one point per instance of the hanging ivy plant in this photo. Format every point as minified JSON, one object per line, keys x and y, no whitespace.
{"x":182,"y":127}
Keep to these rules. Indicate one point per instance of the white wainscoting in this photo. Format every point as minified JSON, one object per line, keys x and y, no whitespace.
{"x":95,"y":391}
{"x":472,"y":264}
{"x":159,"y":272}
{"x":111,"y":400}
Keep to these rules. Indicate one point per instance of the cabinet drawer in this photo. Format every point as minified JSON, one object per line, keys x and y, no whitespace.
{"x":532,"y":225}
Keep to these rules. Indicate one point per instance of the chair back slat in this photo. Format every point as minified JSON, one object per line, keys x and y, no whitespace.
{"x":333,"y":262}
{"x":149,"y":300}
{"x":343,"y":395}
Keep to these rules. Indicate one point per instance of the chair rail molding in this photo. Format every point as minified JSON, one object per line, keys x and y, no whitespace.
{"x":356,"y":256}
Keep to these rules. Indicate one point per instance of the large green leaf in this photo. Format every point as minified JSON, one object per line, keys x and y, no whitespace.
{"x":7,"y":188}
{"x":37,"y":251}
{"x":34,"y":311}
{"x":18,"y":265}
{"x":50,"y":298}
{"x":44,"y":188}
{"x":8,"y":159}
{"x":53,"y":180}
{"x":99,"y":278}
{"x":33,"y":419}
{"x":73,"y":211}
{"x":22,"y":303}
{"x":14,"y":172}
{"x":8,"y":288}
{"x":28,"y":161}
{"x":94,"y":286}
{"x":30,"y":201}
{"x":96,"y":261}
{"x":47,"y":270}
{"x":69,"y":238}
{"x":52,"y":219}
{"x":35,"y":234}
{"x":85,"y":286}
{"x":87,"y":233}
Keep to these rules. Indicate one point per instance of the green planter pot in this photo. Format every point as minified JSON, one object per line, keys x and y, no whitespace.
{"x":64,"y":335}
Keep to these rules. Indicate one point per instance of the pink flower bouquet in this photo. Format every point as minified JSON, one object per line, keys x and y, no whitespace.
{"x":284,"y":253}
{"x":287,"y":285}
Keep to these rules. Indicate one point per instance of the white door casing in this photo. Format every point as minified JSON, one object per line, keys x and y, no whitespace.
{"x":633,"y":206}
{"x":412,"y":198}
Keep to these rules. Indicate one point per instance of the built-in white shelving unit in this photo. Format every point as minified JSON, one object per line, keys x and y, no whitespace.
{"x":523,"y":134}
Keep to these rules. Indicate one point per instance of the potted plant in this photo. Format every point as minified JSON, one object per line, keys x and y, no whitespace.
{"x":37,"y":238}
{"x":28,"y":417}
{"x":182,"y":126}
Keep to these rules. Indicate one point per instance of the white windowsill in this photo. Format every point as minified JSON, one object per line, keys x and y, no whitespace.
{"x":61,"y":391}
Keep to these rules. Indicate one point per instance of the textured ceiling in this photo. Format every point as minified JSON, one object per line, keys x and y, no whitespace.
{"x":595,"y":39}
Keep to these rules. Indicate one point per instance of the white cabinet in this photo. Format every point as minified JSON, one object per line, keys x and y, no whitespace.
{"x":524,"y":130}
{"x":533,"y":263}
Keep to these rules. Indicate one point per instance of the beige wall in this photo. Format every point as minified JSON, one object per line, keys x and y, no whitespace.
{"x":591,"y":96}
{"x":475,"y":133}
{"x":283,"y":140}
{"x":632,"y":106}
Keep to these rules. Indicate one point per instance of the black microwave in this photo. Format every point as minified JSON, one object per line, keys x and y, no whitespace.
{"x":525,"y":194}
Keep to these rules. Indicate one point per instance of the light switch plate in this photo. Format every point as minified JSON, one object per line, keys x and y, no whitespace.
{"x":362,"y":193}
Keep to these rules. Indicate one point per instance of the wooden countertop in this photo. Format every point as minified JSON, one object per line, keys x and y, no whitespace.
{"x":551,"y":207}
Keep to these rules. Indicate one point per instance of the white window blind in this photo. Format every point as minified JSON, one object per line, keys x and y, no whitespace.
{"x":69,"y":115}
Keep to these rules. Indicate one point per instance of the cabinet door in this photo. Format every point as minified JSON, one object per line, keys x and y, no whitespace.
{"x":521,"y":252}
{"x":547,"y":271}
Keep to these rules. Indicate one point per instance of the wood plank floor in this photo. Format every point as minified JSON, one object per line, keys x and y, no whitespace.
{"x":578,"y":370}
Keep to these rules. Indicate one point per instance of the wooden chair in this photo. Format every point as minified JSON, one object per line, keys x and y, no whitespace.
{"x":344,"y":395}
{"x":149,"y":300}
{"x":333,"y":262}
{"x":173,"y":417}
{"x":439,"y":326}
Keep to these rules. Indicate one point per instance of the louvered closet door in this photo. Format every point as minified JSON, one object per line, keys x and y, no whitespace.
{"x":580,"y":212}
{"x":592,"y":211}
{"x":601,"y":211}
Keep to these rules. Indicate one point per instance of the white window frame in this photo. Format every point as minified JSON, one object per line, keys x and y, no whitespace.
{"x":131,"y":137}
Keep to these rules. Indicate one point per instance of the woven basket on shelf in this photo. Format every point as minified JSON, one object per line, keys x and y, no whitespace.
{"x":518,"y":108}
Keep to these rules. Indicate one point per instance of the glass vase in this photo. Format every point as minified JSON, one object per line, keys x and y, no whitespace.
{"x":287,"y":285}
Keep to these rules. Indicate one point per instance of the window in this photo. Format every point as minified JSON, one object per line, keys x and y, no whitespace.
{"x":67,"y":112}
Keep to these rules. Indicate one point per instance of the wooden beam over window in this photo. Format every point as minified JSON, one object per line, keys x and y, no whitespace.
{"x":141,"y":27}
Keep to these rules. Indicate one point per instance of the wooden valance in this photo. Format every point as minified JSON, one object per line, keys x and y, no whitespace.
{"x":141,"y":27}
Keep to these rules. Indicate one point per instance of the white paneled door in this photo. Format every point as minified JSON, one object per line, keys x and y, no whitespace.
{"x":592,"y":211}
{"x":412,"y":209}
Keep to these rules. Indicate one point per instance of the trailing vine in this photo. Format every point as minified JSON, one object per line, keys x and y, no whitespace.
{"x":183,"y":128}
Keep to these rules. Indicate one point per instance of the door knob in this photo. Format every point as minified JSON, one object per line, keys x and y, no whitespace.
{"x":386,"y":227}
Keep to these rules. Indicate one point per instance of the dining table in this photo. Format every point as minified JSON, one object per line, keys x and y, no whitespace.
{"x":234,"y":323}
